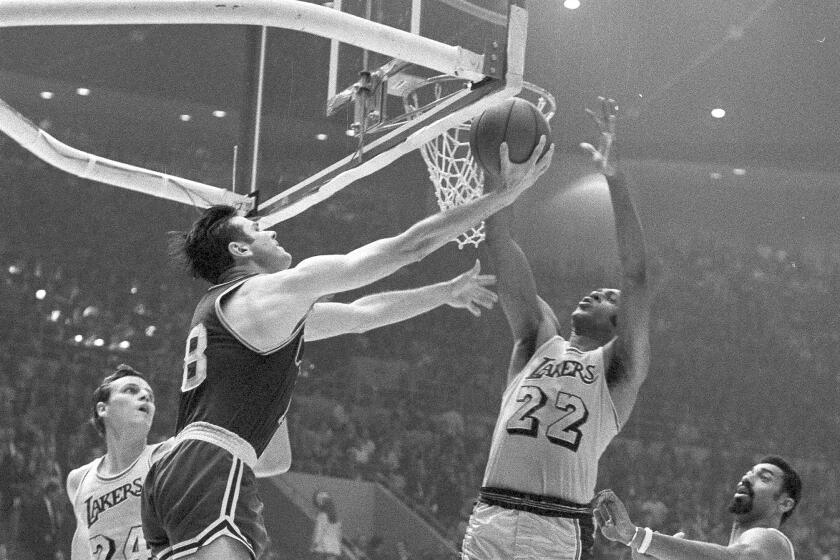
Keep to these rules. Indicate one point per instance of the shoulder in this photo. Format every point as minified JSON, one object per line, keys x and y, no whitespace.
{"x":75,"y":477}
{"x":158,"y":450}
{"x":765,"y":543}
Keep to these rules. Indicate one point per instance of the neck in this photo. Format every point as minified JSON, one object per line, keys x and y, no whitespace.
{"x":586,"y":342}
{"x":238,"y":271}
{"x":740,"y":526}
{"x":122,"y":451}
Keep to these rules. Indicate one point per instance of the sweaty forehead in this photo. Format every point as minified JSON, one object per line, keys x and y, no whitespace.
{"x":611,"y":293}
{"x":130,"y":380}
{"x":769,"y":467}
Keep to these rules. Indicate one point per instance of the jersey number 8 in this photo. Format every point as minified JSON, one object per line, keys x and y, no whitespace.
{"x":195,"y":362}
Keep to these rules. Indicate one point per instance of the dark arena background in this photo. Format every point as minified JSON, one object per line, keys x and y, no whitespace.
{"x":727,"y":131}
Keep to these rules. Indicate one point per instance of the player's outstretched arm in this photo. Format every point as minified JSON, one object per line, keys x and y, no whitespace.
{"x":337,"y":273}
{"x":466,"y":291}
{"x":629,"y":353}
{"x":531,"y":321}
{"x":615,"y":524}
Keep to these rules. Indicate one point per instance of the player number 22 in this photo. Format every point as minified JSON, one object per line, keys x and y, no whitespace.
{"x":564,"y":431}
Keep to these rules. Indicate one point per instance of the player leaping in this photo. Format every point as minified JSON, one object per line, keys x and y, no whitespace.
{"x":565,"y":399}
{"x":200,"y":500}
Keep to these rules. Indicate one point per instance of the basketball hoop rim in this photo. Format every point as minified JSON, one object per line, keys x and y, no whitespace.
{"x":412,"y":111}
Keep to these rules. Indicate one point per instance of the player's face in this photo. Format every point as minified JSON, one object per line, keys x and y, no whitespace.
{"x":601,"y":306}
{"x":131,"y":404}
{"x":759,"y":492}
{"x":265,"y":249}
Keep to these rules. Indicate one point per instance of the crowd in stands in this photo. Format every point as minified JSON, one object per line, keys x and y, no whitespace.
{"x":745,"y":347}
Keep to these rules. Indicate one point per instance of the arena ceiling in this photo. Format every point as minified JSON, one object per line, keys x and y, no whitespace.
{"x":772,"y":65}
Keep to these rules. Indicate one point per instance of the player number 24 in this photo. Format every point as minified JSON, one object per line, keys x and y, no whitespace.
{"x":564,"y":431}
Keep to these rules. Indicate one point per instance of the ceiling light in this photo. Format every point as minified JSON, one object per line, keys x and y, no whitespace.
{"x":571,"y":4}
{"x":321,"y":137}
{"x":83,"y":91}
{"x":219,"y":114}
{"x":46,"y":95}
{"x":40,"y":294}
{"x":715,"y":176}
{"x":185,"y":118}
{"x":350,"y":132}
{"x":739,"y":171}
{"x":718,"y":113}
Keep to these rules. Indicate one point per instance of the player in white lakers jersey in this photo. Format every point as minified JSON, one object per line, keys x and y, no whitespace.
{"x":105,"y":493}
{"x":565,"y":399}
{"x":764,"y":499}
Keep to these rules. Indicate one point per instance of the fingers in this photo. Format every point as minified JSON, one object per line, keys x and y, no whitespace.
{"x":599,"y":518}
{"x":545,"y":160}
{"x":536,"y":154}
{"x":472,"y":308}
{"x":485,"y":298}
{"x":476,"y":268}
{"x":485,"y":279}
{"x":593,"y":151}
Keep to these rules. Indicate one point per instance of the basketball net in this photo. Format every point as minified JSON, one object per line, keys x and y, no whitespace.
{"x":456,"y":176}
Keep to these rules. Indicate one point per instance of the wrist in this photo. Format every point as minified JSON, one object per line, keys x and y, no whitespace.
{"x":641,"y":540}
{"x":636,"y":539}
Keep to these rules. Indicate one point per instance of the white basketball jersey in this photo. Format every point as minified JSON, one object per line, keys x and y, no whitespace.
{"x":108,"y":510}
{"x":556,"y":419}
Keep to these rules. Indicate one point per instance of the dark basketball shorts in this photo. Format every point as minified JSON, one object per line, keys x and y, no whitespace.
{"x":197,"y":493}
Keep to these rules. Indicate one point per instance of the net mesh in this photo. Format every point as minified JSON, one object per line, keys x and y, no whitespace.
{"x":456,"y":176}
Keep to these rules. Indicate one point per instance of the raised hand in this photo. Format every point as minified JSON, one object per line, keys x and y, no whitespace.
{"x":606,"y":126}
{"x":612,"y":517}
{"x":520,"y":176}
{"x":467,"y":290}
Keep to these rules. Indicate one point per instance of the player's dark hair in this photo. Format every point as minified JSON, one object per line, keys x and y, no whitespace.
{"x":103,"y":392}
{"x":791,"y":483}
{"x":204,"y":249}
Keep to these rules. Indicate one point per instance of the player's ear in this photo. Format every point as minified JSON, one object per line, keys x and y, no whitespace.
{"x":786,"y":504}
{"x":101,"y":407}
{"x":239,"y":249}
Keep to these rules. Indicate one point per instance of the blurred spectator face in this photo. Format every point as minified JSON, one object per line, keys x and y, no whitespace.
{"x":131,"y":404}
{"x":759,"y":493}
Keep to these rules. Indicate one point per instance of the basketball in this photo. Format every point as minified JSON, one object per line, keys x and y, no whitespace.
{"x":517,"y":122}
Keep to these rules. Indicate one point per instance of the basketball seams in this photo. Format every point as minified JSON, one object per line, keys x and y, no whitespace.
{"x":508,"y":122}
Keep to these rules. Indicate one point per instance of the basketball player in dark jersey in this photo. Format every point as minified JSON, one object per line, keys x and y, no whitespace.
{"x":764,"y":498}
{"x":242,"y":356}
{"x":105,"y":493}
{"x":565,"y":399}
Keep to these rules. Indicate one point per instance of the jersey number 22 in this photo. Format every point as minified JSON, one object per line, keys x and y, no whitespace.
{"x":564,"y":431}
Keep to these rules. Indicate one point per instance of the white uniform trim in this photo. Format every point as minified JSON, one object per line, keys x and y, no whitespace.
{"x":220,"y":437}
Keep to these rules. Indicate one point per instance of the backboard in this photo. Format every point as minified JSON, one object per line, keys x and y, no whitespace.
{"x":477,"y":26}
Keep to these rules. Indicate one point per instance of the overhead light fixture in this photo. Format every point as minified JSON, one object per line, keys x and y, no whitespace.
{"x":350,"y":132}
{"x":83,"y":91}
{"x":321,"y":136}
{"x":40,"y":294}
{"x":715,"y":176}
{"x":571,"y":4}
{"x":739,"y":171}
{"x":185,"y":117}
{"x":718,"y":113}
{"x":219,"y":114}
{"x":47,"y":95}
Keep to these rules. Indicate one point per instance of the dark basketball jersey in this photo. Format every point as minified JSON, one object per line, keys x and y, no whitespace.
{"x":228,"y":382}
